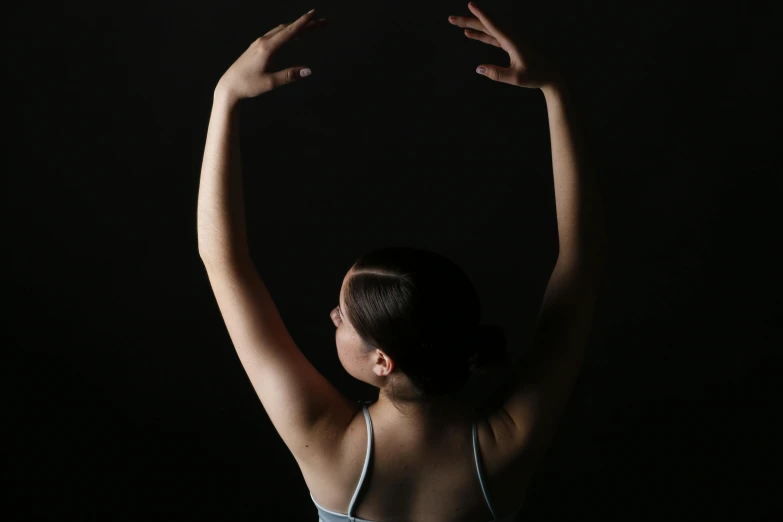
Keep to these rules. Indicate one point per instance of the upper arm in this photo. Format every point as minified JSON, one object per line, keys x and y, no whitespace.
{"x":547,"y":373}
{"x":308,"y":412}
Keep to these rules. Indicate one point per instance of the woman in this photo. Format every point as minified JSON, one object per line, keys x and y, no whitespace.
{"x":408,"y":323}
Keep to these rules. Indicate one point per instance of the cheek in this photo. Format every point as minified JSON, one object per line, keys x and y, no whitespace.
{"x":347,"y":346}
{"x":344,"y":352}
{"x":342,"y":341}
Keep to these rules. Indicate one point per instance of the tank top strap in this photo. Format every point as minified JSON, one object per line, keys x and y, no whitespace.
{"x":479,"y":470}
{"x":368,"y":421}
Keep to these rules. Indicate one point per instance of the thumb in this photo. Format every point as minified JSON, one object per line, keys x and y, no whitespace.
{"x":499,"y":74}
{"x":289,"y":75}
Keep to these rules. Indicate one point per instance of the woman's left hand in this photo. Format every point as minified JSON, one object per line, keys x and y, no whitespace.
{"x":248,"y":77}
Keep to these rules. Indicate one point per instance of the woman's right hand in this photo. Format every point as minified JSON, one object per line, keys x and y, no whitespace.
{"x":526,"y":69}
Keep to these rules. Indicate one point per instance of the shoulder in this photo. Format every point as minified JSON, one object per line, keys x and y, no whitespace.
{"x":335,"y":473}
{"x":499,"y":446}
{"x":507,"y":469}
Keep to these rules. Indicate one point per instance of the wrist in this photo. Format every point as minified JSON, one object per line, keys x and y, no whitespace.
{"x":555,"y":88}
{"x":555,"y":93}
{"x":224,"y":96}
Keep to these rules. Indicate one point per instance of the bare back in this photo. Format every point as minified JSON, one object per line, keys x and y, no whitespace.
{"x":410,"y":479}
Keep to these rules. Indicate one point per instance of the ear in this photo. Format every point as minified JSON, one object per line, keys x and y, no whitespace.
{"x":382,"y":364}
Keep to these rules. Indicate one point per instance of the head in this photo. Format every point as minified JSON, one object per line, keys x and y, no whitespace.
{"x":408,"y":323}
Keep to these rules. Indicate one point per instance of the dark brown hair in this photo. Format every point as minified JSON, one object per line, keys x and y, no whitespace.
{"x":422,"y":309}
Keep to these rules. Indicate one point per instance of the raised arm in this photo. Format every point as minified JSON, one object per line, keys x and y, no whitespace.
{"x":581,"y":223}
{"x":524,"y":425}
{"x":548,"y":371}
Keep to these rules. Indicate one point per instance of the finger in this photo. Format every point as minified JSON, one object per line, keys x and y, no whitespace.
{"x":499,"y":74}
{"x":478,"y":35}
{"x":313,"y":25}
{"x":492,"y":29}
{"x":291,"y":30}
{"x":468,"y":22}
{"x":274,"y":30}
{"x":290,"y":75}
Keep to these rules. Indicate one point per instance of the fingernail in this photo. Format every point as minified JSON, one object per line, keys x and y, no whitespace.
{"x":310,"y":11}
{"x":481,"y":69}
{"x":304,"y":72}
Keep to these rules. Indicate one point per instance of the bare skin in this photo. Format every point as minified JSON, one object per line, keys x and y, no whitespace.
{"x":527,"y":68}
{"x":423,"y":467}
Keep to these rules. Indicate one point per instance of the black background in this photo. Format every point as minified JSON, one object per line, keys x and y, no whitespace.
{"x":125,"y":399}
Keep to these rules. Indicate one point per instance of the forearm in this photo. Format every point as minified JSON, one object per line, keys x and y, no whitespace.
{"x":221,"y":212}
{"x":580,"y":212}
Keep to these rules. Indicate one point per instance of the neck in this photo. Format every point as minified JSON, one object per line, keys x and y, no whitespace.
{"x":424,"y":417}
